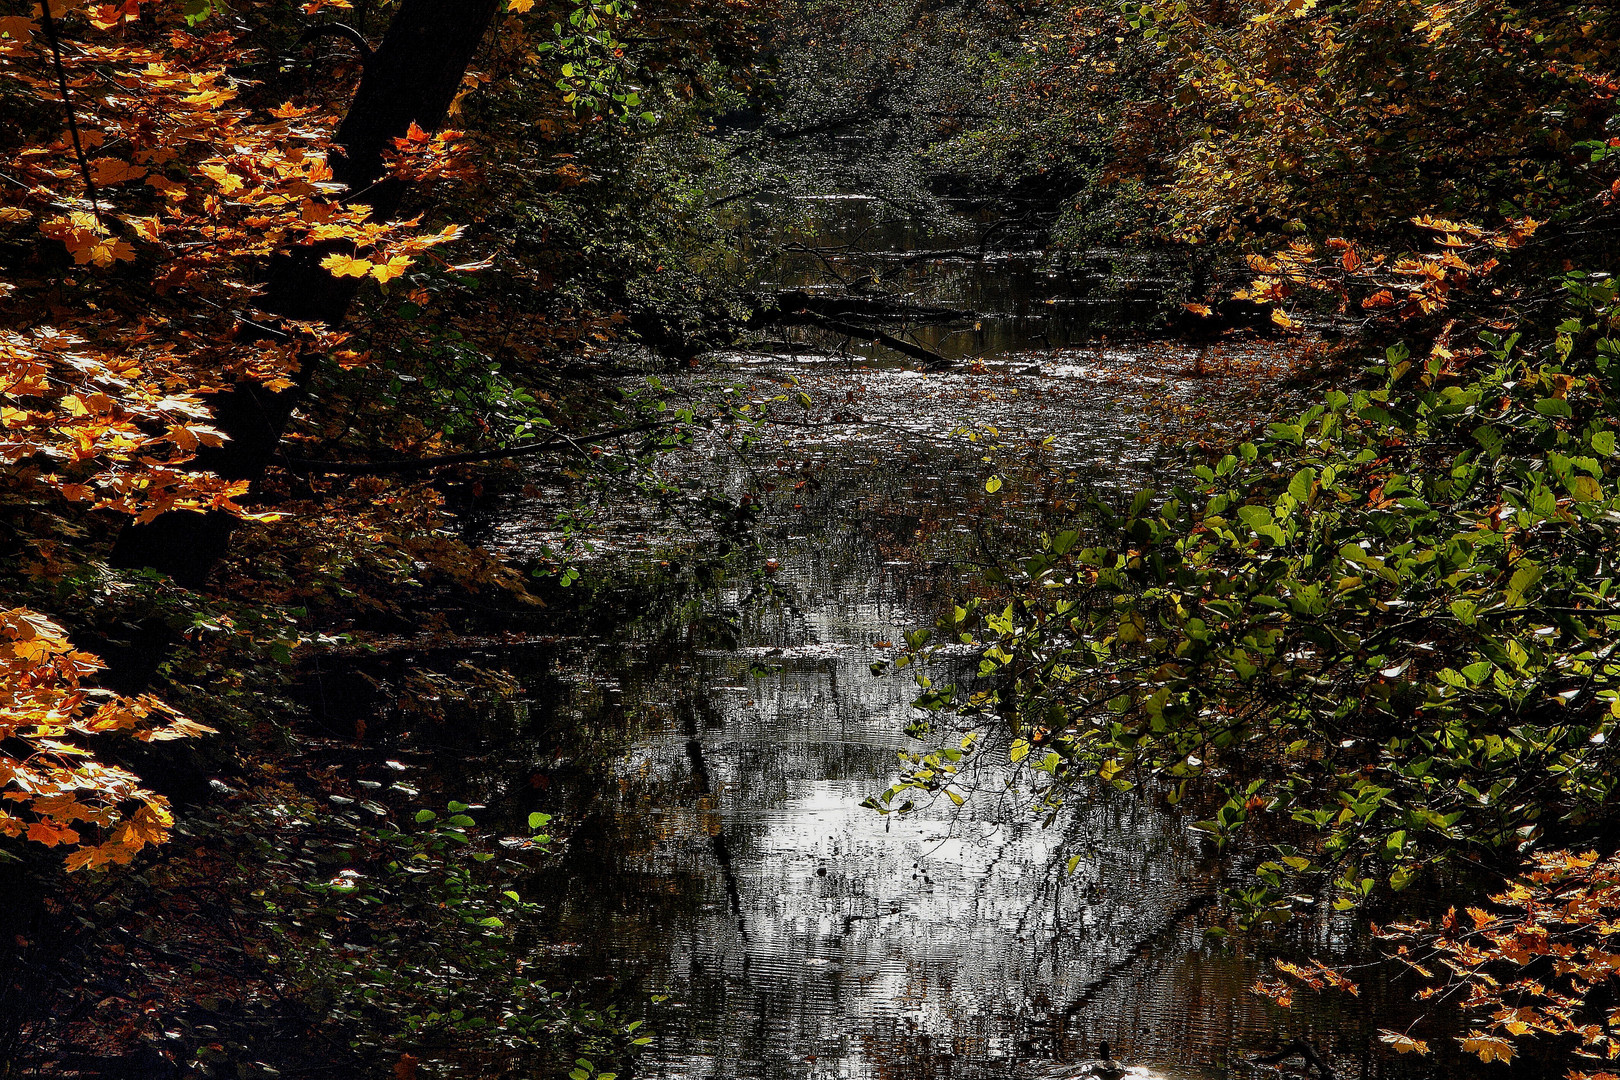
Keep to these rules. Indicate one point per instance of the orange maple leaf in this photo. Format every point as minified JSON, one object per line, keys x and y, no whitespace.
{"x":110,"y":170}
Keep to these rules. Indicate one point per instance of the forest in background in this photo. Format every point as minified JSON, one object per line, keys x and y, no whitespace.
{"x":289,"y":291}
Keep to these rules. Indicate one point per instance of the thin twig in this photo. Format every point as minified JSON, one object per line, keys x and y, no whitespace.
{"x":67,"y":106}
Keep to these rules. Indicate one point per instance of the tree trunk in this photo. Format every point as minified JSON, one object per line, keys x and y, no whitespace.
{"x":413,"y":76}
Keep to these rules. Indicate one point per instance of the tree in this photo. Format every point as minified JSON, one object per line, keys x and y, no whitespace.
{"x":408,"y":85}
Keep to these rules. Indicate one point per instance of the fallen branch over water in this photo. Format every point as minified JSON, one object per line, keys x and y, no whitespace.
{"x":863,"y":305}
{"x":1299,"y":1048}
{"x":932,"y":361}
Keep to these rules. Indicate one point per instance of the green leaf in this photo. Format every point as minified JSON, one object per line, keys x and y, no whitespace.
{"x":993,"y":484}
{"x":425,"y":816}
{"x":1584,"y":489}
{"x":1556,"y":407}
{"x":1256,"y":517}
{"x":1523,"y":580}
{"x":1301,"y":486}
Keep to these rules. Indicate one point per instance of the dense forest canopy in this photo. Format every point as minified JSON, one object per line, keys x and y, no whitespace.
{"x":295,"y":296}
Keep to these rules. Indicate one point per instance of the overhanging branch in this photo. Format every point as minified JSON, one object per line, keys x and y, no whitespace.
{"x":476,"y":457}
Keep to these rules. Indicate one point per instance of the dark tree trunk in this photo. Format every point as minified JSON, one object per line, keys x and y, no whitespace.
{"x":413,"y":76}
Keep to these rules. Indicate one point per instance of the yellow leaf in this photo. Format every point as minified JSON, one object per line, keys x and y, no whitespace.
{"x":182,"y":437}
{"x":1403,"y":1044}
{"x":1489,"y":1047}
{"x":104,"y":253}
{"x":149,"y":825}
{"x":228,"y":181}
{"x":393,"y":268}
{"x":50,"y":834}
{"x":346,"y":266}
{"x":145,"y":227}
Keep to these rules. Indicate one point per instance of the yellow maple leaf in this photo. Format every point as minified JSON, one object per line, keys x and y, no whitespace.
{"x":104,"y":253}
{"x":1403,"y":1044}
{"x":51,"y":834}
{"x":86,"y":239}
{"x":346,"y":266}
{"x":228,"y":181}
{"x":393,"y":268}
{"x":148,"y":825}
{"x":1489,"y":1047}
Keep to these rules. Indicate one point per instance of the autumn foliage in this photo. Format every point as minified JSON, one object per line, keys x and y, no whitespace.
{"x":148,"y":187}
{"x":166,"y":168}
{"x":57,"y":793}
{"x":1529,"y":963}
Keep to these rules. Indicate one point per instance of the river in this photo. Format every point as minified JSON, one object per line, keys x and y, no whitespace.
{"x":718,"y":851}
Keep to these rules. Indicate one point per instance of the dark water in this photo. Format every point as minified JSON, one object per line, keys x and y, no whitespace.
{"x":723,"y":858}
{"x":1016,"y":297}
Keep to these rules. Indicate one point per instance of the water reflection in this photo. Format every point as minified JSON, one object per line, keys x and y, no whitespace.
{"x":730,"y":864}
{"x":997,"y":268}
{"x":725,"y":858}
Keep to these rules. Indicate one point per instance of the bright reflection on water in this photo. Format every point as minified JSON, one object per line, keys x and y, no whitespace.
{"x":727,"y":861}
{"x":805,"y":936}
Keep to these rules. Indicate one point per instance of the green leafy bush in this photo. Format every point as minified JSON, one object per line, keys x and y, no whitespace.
{"x":1386,"y":627}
